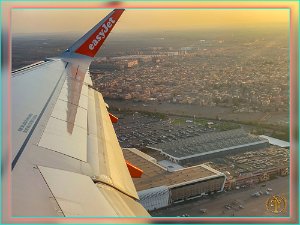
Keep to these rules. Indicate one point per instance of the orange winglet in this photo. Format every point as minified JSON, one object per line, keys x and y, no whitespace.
{"x":113,"y":118}
{"x":134,"y":171}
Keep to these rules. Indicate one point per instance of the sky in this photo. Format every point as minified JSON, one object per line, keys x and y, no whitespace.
{"x":27,"y":21}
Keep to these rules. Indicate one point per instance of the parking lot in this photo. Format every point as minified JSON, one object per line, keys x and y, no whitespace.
{"x":233,"y":203}
{"x":137,"y":129}
{"x":246,"y":163}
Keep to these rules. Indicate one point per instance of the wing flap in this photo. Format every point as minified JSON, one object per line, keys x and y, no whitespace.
{"x":77,"y":195}
{"x":123,"y":204}
{"x":111,"y":167}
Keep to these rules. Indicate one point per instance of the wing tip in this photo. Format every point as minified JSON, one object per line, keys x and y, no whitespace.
{"x":91,"y":42}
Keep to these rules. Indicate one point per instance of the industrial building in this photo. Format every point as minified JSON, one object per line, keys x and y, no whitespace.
{"x":209,"y":145}
{"x":275,"y":141}
{"x":159,"y":186}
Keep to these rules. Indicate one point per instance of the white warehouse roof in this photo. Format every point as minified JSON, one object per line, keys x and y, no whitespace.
{"x":277,"y":142}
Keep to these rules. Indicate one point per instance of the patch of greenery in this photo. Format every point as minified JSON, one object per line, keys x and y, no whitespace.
{"x":281,"y":135}
{"x":178,"y":121}
{"x":279,"y":132}
{"x":201,"y":122}
{"x":223,"y":126}
{"x":155,"y":114}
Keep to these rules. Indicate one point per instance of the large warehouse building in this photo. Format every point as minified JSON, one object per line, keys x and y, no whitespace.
{"x":209,"y":145}
{"x":159,"y":187}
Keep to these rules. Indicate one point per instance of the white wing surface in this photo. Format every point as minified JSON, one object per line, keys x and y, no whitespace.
{"x":66,"y":159}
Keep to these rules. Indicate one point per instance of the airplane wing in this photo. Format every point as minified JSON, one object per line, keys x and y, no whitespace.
{"x":65,"y":157}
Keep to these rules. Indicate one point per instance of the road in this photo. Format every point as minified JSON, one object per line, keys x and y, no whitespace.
{"x":279,"y":118}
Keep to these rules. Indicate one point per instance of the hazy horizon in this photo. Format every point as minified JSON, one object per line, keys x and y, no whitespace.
{"x":72,"y":34}
{"x":25,"y":21}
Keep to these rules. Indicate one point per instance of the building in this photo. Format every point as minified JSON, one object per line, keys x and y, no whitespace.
{"x":132,"y":63}
{"x":255,"y":178}
{"x":275,"y":141}
{"x":155,"y":198}
{"x":209,"y":145}
{"x":159,"y":187}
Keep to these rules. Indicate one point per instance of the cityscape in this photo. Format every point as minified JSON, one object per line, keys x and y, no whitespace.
{"x":250,"y":75}
{"x":205,"y":116}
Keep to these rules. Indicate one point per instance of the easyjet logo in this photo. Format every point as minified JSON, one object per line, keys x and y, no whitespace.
{"x":101,"y":35}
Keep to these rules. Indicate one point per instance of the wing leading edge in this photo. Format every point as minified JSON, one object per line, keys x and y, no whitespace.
{"x":69,"y":161}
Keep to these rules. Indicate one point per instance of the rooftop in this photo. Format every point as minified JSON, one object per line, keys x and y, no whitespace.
{"x":155,"y":175}
{"x":275,"y":141}
{"x":206,"y":143}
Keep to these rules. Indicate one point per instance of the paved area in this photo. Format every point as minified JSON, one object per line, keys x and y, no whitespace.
{"x":216,"y":205}
{"x":136,"y":129}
